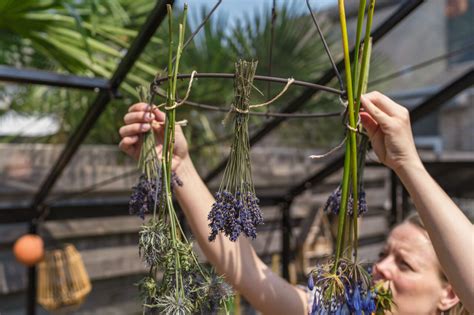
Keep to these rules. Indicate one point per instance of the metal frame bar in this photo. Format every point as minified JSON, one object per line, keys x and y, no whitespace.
{"x":27,"y":76}
{"x":403,"y":10}
{"x":310,"y":85}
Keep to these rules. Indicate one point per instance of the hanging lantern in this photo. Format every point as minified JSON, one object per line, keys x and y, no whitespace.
{"x":62,"y":279}
{"x":29,"y":249}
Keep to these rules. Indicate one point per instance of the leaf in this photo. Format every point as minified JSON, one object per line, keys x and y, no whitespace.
{"x":81,"y":29}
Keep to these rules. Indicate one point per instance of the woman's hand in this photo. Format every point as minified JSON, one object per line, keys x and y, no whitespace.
{"x":388,"y":126}
{"x":139,"y":121}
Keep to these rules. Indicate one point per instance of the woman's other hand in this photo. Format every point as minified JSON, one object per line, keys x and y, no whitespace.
{"x":138,"y":121}
{"x":388,"y":126}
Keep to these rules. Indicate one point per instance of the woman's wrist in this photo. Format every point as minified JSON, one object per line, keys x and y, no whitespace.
{"x":410,"y":168}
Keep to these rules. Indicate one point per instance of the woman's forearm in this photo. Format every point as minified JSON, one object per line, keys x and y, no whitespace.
{"x":450,"y":231}
{"x":237,"y":261}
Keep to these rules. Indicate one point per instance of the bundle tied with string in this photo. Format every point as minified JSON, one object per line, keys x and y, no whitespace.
{"x":62,"y":279}
{"x":236,"y":208}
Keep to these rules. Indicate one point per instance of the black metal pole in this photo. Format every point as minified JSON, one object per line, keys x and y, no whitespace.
{"x":11,"y":74}
{"x":405,"y":203}
{"x":286,"y":241}
{"x":32,"y":286}
{"x":393,"y":197}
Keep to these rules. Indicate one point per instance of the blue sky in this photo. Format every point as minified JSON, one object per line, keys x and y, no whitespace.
{"x":235,"y":9}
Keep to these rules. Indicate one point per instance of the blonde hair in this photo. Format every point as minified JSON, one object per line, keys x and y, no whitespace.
{"x":457,"y":309}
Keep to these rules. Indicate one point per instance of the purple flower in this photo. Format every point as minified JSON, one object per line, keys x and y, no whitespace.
{"x":143,"y":196}
{"x":234,"y":214}
{"x":334,"y":201}
{"x":362,"y":203}
{"x":333,"y":204}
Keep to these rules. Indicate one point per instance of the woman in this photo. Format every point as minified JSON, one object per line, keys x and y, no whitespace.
{"x":409,"y":261}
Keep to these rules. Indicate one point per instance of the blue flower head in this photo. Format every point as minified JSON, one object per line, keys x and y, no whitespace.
{"x":310,"y":282}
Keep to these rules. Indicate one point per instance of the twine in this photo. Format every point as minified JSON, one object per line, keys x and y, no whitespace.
{"x":349,"y":127}
{"x":290,"y":82}
{"x":182,"y":123}
{"x":356,"y":129}
{"x":283,"y":91}
{"x":320,"y":156}
{"x":188,"y":91}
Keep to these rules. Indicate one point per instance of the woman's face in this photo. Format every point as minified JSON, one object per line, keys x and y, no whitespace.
{"x":409,"y":263}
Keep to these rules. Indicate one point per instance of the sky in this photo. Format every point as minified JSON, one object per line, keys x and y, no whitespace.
{"x":235,"y":9}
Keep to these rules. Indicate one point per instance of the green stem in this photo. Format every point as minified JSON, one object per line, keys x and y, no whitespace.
{"x":351,"y":146}
{"x":365,"y":53}
{"x":343,"y":207}
{"x":362,"y":88}
{"x":360,"y":20}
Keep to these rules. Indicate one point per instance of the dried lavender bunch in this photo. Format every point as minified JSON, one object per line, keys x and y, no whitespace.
{"x":236,"y":208}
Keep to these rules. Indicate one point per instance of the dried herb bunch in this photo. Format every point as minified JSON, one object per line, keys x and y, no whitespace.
{"x":236,"y":209}
{"x":344,"y":285}
{"x":176,"y":283}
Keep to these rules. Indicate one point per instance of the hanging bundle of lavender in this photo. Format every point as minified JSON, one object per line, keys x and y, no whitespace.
{"x":236,"y":208}
{"x":344,"y":285}
{"x":176,"y":283}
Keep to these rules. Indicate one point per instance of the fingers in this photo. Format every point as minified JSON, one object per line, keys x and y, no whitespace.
{"x":138,"y":117}
{"x":133,"y":129}
{"x":375,"y":112}
{"x":385,"y":104}
{"x":138,"y":107}
{"x":159,"y":115}
{"x":143,"y":107}
{"x":369,"y":124}
{"x":127,"y":144}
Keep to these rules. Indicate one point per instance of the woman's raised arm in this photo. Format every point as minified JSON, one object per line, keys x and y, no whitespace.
{"x":450,"y":231}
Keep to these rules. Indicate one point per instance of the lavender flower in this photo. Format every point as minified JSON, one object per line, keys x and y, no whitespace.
{"x":333,"y":203}
{"x":362,"y":203}
{"x":142,"y":200}
{"x":144,"y":194}
{"x":234,"y":214}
